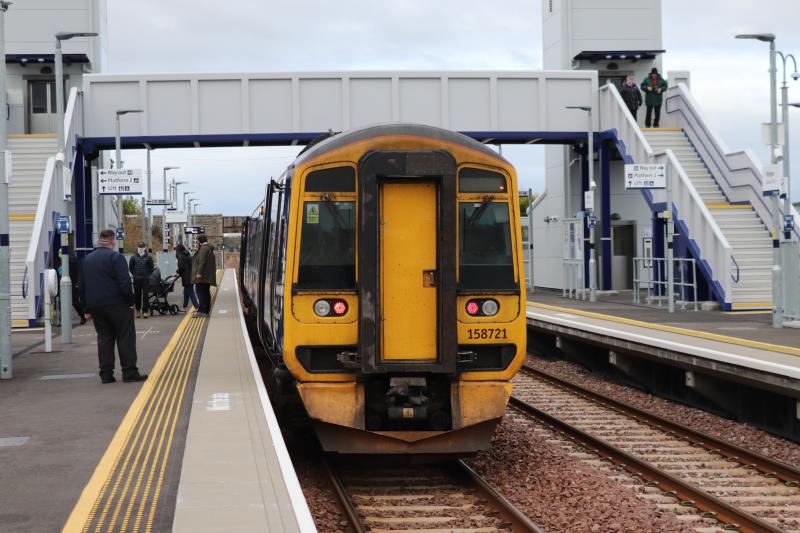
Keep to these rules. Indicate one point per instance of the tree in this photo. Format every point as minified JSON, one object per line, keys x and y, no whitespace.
{"x":131,"y":206}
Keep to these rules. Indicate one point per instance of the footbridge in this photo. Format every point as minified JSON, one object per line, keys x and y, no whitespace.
{"x":258,"y":109}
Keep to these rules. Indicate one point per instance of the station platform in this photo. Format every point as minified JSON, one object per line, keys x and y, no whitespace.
{"x":194,"y":448}
{"x":740,"y":346}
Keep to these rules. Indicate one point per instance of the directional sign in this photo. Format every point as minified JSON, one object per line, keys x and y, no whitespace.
{"x":120,"y":181}
{"x":158,"y":202}
{"x":645,"y":176}
{"x":194,"y":230}
{"x":64,"y":224}
{"x":772,"y":180}
{"x":176,"y":217}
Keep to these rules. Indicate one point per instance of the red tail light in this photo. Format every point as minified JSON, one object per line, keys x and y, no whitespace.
{"x":339,"y":307}
{"x":473,"y":308}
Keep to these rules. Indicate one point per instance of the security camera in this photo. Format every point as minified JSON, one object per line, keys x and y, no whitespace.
{"x":777,"y":154}
{"x":592,"y":185}
{"x":795,"y":75}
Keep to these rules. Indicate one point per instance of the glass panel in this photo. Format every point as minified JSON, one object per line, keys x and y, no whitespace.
{"x":328,"y":246}
{"x":38,"y":97}
{"x":52,"y":87}
{"x":479,"y":180}
{"x":340,"y":179}
{"x":486,"y":260}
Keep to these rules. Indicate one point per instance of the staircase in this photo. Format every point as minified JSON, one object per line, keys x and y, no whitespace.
{"x":29,"y":154}
{"x":748,"y":236}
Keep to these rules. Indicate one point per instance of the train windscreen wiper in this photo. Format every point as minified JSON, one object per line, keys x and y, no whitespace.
{"x":478,"y":213}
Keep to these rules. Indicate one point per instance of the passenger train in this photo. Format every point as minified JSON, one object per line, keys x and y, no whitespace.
{"x":383,"y":274}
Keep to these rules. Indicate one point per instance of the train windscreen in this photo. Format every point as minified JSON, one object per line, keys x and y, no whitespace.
{"x":328,"y":246}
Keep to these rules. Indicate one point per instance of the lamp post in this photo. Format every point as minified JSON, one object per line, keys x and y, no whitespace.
{"x":776,"y":156}
{"x":183,"y":208}
{"x":66,"y":283}
{"x":164,"y":212}
{"x":590,"y":216}
{"x":787,"y":199}
{"x":189,"y":238}
{"x":5,"y":250}
{"x":118,"y":144}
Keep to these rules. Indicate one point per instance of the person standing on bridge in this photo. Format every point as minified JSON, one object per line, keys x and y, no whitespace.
{"x":631,"y":96}
{"x":141,"y":266}
{"x":204,"y":275}
{"x":653,"y":86}
{"x":108,"y":300}
{"x":185,"y":272}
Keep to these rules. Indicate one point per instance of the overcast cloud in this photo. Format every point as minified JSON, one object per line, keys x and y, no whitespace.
{"x":729,"y":78}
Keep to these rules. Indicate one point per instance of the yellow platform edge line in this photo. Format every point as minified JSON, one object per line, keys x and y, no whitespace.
{"x":80,"y":513}
{"x":758,"y":345}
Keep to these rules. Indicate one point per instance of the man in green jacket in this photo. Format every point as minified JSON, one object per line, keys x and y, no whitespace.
{"x":653,"y":86}
{"x":204,"y":275}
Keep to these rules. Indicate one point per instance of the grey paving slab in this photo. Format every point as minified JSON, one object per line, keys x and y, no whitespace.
{"x":232,"y":478}
{"x":69,"y":422}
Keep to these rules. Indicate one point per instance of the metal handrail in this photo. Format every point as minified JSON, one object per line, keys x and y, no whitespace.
{"x":736,"y":264}
{"x":656,"y":283}
{"x":25,"y":283}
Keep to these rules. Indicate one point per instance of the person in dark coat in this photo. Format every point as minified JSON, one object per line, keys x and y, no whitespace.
{"x":631,"y":96}
{"x":204,"y":275}
{"x":77,"y":295}
{"x":141,"y":266}
{"x":653,"y":86}
{"x":108,"y":298}
{"x":185,"y":272}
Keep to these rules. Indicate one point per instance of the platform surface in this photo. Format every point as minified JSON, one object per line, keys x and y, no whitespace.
{"x":236,"y":475}
{"x":57,"y":419}
{"x":742,"y":339}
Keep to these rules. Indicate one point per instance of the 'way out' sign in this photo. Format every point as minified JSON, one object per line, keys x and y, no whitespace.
{"x":119,"y":181}
{"x":645,"y":176}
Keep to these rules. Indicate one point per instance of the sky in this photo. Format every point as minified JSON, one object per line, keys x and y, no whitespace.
{"x":729,"y":78}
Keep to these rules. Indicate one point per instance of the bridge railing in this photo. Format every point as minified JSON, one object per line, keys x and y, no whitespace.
{"x":739,"y":174}
{"x":55,"y":189}
{"x":614,"y":115}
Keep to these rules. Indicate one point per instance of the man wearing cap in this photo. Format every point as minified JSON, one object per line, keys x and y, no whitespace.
{"x":108,"y":300}
{"x":654,"y":87}
{"x":204,"y":275}
{"x":141,"y":266}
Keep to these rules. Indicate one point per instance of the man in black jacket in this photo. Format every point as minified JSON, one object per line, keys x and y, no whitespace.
{"x":141,"y":266}
{"x":108,"y":299}
{"x":631,"y":96}
{"x":185,"y":272}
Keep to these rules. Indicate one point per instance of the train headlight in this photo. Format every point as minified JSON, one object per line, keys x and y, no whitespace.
{"x":490,"y":308}
{"x":322,"y":307}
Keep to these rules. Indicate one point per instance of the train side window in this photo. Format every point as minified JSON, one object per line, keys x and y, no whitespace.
{"x":477,"y":180}
{"x":486,"y":258}
{"x":327,"y":246}
{"x":339,"y":179}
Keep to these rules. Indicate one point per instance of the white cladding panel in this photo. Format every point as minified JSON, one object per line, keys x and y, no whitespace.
{"x":208,"y":104}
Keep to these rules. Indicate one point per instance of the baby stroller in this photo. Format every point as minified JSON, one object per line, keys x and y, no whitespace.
{"x":159,"y":289}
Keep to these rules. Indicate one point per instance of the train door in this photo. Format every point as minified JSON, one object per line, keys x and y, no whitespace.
{"x":408,"y":237}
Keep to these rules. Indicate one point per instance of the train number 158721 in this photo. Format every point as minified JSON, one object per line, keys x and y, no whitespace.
{"x":486,"y":333}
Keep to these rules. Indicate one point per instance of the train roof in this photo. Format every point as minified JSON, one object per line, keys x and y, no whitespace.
{"x":344,"y":138}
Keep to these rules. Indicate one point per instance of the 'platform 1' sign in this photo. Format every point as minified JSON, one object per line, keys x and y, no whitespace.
{"x":645,"y":176}
{"x":119,"y":181}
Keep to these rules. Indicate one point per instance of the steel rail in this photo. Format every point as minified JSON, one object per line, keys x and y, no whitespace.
{"x":349,"y":508}
{"x":766,"y":465}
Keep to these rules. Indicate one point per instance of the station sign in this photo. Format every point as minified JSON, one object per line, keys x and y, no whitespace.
{"x":158,"y":202}
{"x":119,"y":181}
{"x":176,"y":217}
{"x":194,"y":230}
{"x":588,"y":200}
{"x":788,"y":223}
{"x":645,"y":176}
{"x":772,"y":180}
{"x":64,"y":224}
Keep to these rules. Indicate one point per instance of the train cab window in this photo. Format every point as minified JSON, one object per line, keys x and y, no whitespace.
{"x":478,"y":180}
{"x":485,"y":251}
{"x":327,"y":245}
{"x":339,"y":179}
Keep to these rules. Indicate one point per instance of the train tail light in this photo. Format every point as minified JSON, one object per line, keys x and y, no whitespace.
{"x":330,"y":308}
{"x":322,"y":307}
{"x":339,"y":307}
{"x":482,"y":307}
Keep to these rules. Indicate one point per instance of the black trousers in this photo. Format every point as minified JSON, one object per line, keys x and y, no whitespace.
{"x":114,"y":324}
{"x":633,"y":111}
{"x":655,"y":122}
{"x":203,"y":291}
{"x":188,"y":294}
{"x":140,"y":294}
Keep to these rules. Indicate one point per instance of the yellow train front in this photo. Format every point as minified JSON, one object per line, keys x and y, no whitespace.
{"x":385,"y":273}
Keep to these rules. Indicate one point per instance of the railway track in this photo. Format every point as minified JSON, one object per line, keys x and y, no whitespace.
{"x":436,"y":498}
{"x":741,"y":490}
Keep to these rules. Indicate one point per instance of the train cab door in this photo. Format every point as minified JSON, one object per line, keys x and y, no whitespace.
{"x":407,"y":262}
{"x":408,"y":297}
